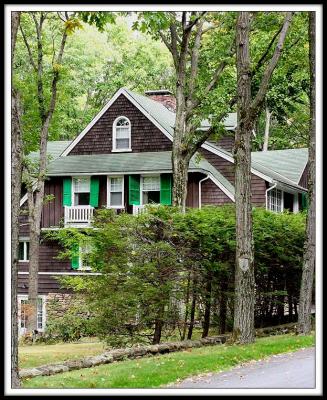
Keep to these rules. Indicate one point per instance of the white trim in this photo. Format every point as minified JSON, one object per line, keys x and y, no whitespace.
{"x":24,"y":241}
{"x":61,"y":273}
{"x":296,"y":207}
{"x":21,"y":297}
{"x":114,"y":127}
{"x":200,"y":190}
{"x":109,"y":177}
{"x":268,"y":190}
{"x":90,"y":125}
{"x":231,"y":159}
{"x":73,"y":191}
{"x":222,"y":187}
{"x":141,"y":188}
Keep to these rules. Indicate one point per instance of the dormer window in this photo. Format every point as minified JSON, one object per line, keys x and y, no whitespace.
{"x":121,"y":134}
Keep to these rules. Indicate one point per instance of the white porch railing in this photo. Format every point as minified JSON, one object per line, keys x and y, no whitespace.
{"x":138,"y":209}
{"x":78,"y":215}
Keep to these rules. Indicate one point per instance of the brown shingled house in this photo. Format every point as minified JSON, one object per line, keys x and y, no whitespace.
{"x":122,"y":160}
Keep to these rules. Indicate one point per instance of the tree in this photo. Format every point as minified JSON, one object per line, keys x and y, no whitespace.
{"x":184,"y":34}
{"x":304,"y":323}
{"x":16,"y":177}
{"x":248,"y":107}
{"x":35,"y":179}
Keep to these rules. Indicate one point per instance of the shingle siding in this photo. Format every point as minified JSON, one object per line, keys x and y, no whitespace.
{"x":145,"y":135}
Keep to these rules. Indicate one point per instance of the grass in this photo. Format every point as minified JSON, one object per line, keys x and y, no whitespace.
{"x":153,"y":372}
{"x":36,"y":355}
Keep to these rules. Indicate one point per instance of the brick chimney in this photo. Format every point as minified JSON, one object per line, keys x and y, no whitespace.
{"x":164,"y":97}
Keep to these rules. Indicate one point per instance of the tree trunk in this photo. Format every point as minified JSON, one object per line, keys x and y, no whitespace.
{"x":206,"y":321}
{"x":223,"y":307}
{"x":187,"y":300}
{"x":16,"y":177}
{"x":193,"y":306}
{"x":158,"y":325}
{"x":267,"y":127}
{"x":243,"y":330}
{"x":304,"y":322}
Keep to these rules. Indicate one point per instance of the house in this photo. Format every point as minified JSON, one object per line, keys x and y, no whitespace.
{"x":122,"y":160}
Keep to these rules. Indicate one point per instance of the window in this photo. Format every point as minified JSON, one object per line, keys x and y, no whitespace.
{"x":81,"y":191}
{"x":24,"y":250}
{"x":115,"y":192}
{"x":150,"y":189}
{"x":23,"y":313}
{"x":121,"y":134}
{"x":84,"y":257}
{"x":275,"y":200}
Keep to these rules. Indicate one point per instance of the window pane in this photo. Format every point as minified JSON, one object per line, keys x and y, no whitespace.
{"x":116,"y":199}
{"x":27,"y":250}
{"x":81,"y":185}
{"x":39,"y":314}
{"x":21,"y":251}
{"x":116,"y":184}
{"x":122,"y":143}
{"x":122,"y":122}
{"x":82,"y":199}
{"x":122,"y":133}
{"x":151,"y":183}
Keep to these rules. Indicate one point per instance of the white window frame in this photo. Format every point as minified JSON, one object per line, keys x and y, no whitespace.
{"x":21,"y":297}
{"x":114,"y":144}
{"x":82,"y":267}
{"x":73,"y":187}
{"x":142,"y":189}
{"x":281,"y":200}
{"x":24,"y":240}
{"x":109,"y":177}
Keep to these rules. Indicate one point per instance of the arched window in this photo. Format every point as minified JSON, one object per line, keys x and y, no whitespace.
{"x":121,"y":134}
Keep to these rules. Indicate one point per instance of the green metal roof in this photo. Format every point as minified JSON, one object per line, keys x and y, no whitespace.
{"x":289,"y":163}
{"x":54,"y":149}
{"x":129,"y":163}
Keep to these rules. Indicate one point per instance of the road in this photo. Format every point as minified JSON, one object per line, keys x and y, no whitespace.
{"x":290,"y":371}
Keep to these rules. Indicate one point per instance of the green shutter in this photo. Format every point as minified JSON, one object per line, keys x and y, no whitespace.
{"x":165,"y":189}
{"x":304,"y":201}
{"x":75,"y":256}
{"x":134,"y":189}
{"x":94,"y":191}
{"x":67,"y":192}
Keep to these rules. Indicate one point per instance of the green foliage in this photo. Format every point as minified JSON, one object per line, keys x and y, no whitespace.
{"x":146,"y":260}
{"x":69,"y":328}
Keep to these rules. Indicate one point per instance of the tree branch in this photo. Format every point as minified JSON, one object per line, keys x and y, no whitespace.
{"x":195,"y":59}
{"x":28,"y":48}
{"x":195,"y":21}
{"x":263,"y":57}
{"x":259,"y":98}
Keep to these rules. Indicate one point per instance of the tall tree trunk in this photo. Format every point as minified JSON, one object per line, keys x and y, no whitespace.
{"x":309,"y":258}
{"x":207,"y":309}
{"x":244,"y":271}
{"x":267,"y":128}
{"x":35,"y":202}
{"x":187,"y":300}
{"x":158,"y":325}
{"x":223,"y":306}
{"x":193,"y":306}
{"x":16,"y":178}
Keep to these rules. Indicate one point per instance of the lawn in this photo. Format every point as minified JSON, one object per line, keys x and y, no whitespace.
{"x":33,"y":356}
{"x":153,"y":372}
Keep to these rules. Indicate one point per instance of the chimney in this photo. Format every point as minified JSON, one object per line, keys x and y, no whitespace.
{"x":163,"y":96}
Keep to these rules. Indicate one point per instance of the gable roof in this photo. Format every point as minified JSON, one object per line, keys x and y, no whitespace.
{"x":288,"y":163}
{"x":156,"y":112}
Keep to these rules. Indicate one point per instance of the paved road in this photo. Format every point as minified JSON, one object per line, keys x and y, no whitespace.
{"x":292,"y":371}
